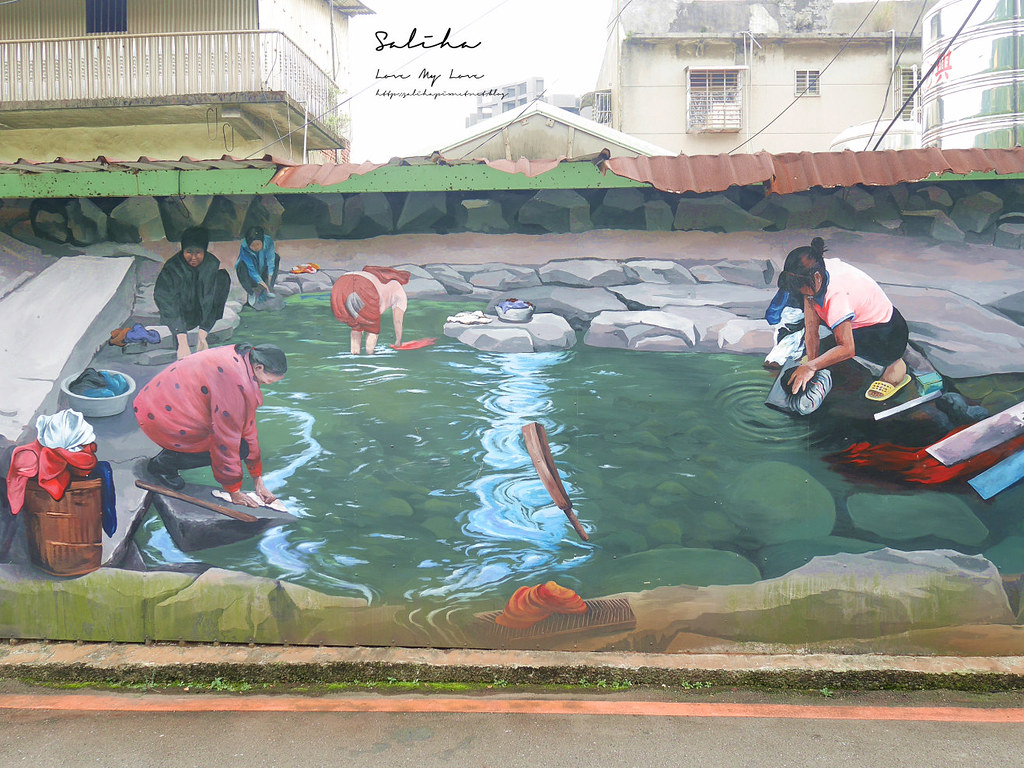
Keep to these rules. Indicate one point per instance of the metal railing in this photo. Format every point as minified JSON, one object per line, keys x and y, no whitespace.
{"x":163,"y":65}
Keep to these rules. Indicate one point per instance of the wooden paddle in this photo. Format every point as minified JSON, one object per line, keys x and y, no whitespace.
{"x":540,"y":452}
{"x":245,"y":517}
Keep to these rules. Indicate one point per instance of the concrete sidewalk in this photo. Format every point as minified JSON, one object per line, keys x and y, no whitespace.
{"x":158,"y":663}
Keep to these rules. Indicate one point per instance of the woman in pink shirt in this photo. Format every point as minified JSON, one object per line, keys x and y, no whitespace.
{"x":202,"y":412}
{"x":358,"y":299}
{"x":861,"y":317}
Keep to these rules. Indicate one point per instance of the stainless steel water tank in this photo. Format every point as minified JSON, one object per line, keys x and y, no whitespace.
{"x":975,"y":96}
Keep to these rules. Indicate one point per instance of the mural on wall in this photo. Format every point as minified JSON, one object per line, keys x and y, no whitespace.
{"x":680,"y":441}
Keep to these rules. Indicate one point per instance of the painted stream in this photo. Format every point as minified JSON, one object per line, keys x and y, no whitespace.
{"x":410,"y":480}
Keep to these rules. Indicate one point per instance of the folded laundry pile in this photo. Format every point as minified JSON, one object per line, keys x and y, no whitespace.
{"x":135,"y":334}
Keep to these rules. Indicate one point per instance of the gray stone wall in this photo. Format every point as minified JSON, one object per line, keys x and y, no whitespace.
{"x":990,"y":212}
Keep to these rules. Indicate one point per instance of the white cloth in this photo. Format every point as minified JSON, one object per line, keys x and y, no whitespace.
{"x":470,"y":318}
{"x":277,"y":504}
{"x":790,"y":348}
{"x":65,"y":429}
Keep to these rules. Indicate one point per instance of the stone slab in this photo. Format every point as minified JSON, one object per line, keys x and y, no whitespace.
{"x":63,"y":316}
{"x":742,"y":300}
{"x":545,"y":332}
{"x":960,"y":337}
{"x":193,"y":527}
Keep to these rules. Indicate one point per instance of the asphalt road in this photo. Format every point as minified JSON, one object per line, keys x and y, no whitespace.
{"x":506,"y":730}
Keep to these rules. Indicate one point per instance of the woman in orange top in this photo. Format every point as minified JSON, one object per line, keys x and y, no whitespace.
{"x":358,"y":299}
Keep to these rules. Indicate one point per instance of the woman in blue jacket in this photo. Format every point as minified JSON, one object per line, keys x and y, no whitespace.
{"x":257,"y":267}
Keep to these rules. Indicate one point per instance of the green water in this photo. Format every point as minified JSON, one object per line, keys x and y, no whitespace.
{"x":411,"y":482}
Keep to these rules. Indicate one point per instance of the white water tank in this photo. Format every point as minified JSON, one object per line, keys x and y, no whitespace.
{"x":975,"y":96}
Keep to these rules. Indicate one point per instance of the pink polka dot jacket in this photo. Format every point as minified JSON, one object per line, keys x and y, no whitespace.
{"x":206,"y":402}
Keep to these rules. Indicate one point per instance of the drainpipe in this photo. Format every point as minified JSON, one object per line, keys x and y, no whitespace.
{"x":334,"y":63}
{"x":1016,"y":58}
{"x":305,"y":129}
{"x":892,"y":72}
{"x":617,"y":114}
{"x":749,"y":41}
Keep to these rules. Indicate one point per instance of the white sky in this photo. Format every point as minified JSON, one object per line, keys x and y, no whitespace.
{"x":561,"y":41}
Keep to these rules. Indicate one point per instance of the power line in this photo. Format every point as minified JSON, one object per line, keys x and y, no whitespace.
{"x":928,"y":73}
{"x":617,"y":17}
{"x":797,"y":97}
{"x":369,"y":85}
{"x":895,"y":65}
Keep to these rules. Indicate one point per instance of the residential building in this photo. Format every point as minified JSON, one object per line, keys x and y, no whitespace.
{"x":516,"y":96}
{"x":170,"y":78}
{"x":542,"y":131}
{"x":678,"y":73}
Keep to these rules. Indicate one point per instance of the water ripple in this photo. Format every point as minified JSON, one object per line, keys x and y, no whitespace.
{"x":741,"y":401}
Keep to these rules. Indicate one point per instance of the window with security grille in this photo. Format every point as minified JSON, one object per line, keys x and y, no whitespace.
{"x":603,"y":107}
{"x":714,"y":102}
{"x":907,"y":80}
{"x":808,"y":82}
{"x":104,"y":17}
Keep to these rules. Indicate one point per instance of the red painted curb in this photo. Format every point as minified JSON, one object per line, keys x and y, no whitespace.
{"x":161,"y":703}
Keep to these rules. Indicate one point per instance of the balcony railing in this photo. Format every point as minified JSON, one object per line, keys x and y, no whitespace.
{"x":163,"y":65}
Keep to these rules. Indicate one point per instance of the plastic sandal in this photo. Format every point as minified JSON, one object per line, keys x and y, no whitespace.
{"x":883,"y":390}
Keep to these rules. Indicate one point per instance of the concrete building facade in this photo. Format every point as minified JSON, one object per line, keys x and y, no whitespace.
{"x":132,"y":78}
{"x":793,"y":78}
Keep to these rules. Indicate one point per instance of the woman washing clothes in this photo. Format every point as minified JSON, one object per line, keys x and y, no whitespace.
{"x":201,"y":411}
{"x":257,"y":266}
{"x":358,"y":299}
{"x":853,"y":306}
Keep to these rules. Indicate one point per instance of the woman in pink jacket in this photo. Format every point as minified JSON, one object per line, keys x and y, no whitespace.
{"x":202,"y":412}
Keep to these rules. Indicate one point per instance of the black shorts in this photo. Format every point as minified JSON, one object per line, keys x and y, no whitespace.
{"x":884,"y":343}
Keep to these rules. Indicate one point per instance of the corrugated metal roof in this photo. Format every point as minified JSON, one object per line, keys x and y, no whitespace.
{"x":783,"y":174}
{"x":63,"y":165}
{"x":799,"y":171}
{"x":695,"y":173}
{"x":301,"y":176}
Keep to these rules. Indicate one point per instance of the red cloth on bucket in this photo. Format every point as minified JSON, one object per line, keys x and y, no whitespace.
{"x":52,"y":467}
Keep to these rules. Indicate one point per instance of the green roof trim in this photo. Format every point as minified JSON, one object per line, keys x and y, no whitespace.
{"x":250,"y":181}
{"x":974,"y":176}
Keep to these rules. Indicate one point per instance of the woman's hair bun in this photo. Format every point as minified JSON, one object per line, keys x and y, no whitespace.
{"x":817,"y":246}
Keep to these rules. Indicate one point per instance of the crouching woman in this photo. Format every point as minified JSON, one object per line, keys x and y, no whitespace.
{"x":202,"y":412}
{"x":855,"y":309}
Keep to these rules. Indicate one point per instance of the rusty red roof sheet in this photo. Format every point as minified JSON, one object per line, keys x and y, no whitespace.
{"x":299,"y":176}
{"x":799,"y":171}
{"x":795,"y":172}
{"x":695,"y":173}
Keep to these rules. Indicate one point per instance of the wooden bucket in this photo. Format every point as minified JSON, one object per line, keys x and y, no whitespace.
{"x":65,"y":538}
